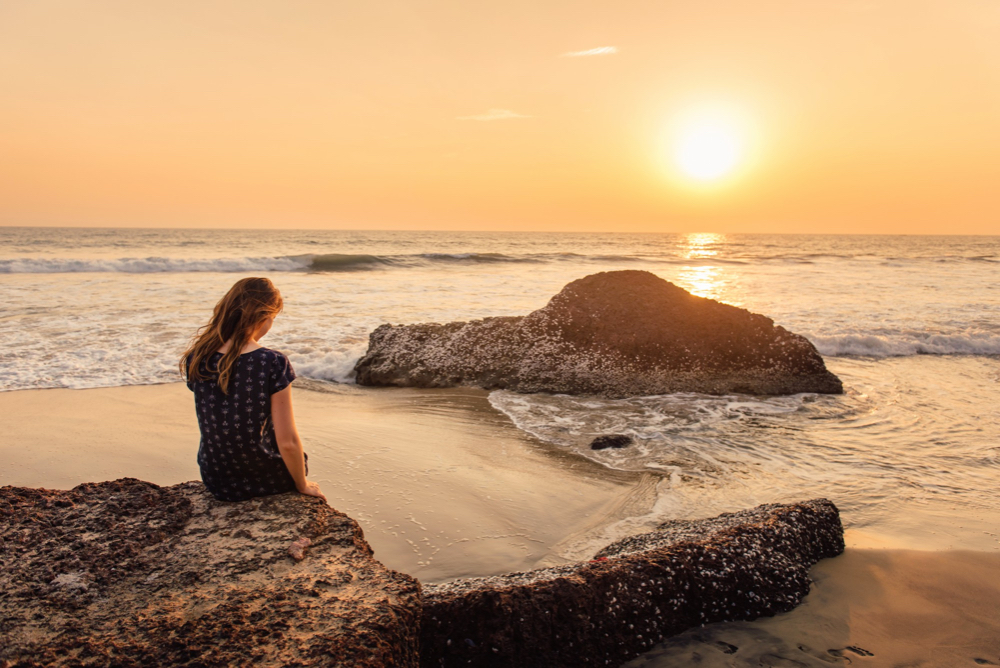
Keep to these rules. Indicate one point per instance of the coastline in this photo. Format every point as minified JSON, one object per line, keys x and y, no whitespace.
{"x":444,"y":487}
{"x":878,"y":607}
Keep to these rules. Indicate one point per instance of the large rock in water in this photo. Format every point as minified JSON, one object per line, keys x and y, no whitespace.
{"x":617,"y":334}
{"x":127,"y":573}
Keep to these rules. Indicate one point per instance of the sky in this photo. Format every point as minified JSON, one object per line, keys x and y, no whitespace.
{"x":836,"y":116}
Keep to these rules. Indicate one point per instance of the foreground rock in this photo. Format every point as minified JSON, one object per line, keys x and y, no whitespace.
{"x":130,"y":574}
{"x":634,"y":593}
{"x":617,"y":334}
{"x":127,"y":573}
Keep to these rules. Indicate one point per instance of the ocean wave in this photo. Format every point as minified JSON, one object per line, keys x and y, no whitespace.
{"x":343,"y":262}
{"x":149,"y":265}
{"x":479,"y":257}
{"x":970,"y":342}
{"x":336,"y":366}
{"x":339,"y":262}
{"x":329,"y":262}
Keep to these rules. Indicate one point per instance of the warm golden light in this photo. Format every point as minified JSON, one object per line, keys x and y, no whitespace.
{"x":191,"y":115}
{"x":702,"y":244}
{"x":708,"y":149}
{"x":701,"y":280}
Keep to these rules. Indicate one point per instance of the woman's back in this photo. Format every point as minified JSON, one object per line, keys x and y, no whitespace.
{"x":238,"y":454}
{"x":249,"y":444}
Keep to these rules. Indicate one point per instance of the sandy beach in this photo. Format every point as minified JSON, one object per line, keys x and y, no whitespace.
{"x":445,"y":486}
{"x":866,"y":607}
{"x":442,"y":484}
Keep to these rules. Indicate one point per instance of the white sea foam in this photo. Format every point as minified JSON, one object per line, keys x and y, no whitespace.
{"x":668,"y":431}
{"x":968,"y":342}
{"x":86,"y":308}
{"x":147,"y":265}
{"x":336,"y":366}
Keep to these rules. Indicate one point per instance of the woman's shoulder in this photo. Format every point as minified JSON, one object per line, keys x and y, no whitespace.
{"x":269,"y":356}
{"x":270,"y":353}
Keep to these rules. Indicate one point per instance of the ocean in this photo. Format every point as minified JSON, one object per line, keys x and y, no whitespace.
{"x":909,"y":323}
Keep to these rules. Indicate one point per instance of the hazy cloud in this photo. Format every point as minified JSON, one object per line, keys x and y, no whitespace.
{"x":494,"y":115}
{"x":599,"y":51}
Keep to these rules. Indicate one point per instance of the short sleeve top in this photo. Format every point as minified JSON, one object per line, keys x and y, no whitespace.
{"x":238,"y":455}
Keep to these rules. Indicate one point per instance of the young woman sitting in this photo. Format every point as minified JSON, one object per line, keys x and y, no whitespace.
{"x":243,"y":398}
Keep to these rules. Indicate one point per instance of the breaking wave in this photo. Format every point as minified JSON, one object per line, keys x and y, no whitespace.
{"x":904,"y":344}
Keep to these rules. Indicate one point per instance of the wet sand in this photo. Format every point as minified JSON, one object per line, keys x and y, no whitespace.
{"x":445,"y":486}
{"x":442,"y":484}
{"x":866,"y":607}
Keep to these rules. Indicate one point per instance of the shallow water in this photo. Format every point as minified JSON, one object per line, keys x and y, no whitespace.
{"x":909,"y":323}
{"x":909,"y":453}
{"x":912,"y":444}
{"x":97,"y":308}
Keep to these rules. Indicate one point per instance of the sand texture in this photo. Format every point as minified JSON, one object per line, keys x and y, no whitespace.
{"x":633,"y":593}
{"x":892,"y":608}
{"x":615,"y":334}
{"x":441,"y":465}
{"x":127,"y":573}
{"x":442,"y":484}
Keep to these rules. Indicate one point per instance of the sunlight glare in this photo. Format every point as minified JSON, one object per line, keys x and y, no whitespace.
{"x":708,"y":149}
{"x":708,"y":144}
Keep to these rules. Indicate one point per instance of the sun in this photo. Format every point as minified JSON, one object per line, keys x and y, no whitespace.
{"x":707,"y":145}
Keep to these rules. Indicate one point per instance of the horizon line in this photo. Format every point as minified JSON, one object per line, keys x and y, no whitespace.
{"x":491,"y":231}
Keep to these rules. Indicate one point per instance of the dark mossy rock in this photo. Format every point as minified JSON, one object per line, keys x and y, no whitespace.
{"x":611,"y":441}
{"x":616,"y":334}
{"x":127,"y":573}
{"x":634,"y":593}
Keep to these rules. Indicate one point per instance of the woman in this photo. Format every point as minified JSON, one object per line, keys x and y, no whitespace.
{"x":243,"y":397}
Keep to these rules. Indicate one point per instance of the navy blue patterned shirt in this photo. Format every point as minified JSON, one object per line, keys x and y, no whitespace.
{"x":238,"y":455}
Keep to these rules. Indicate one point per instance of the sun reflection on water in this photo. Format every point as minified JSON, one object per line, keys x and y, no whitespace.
{"x":702,"y":280}
{"x":702,"y":244}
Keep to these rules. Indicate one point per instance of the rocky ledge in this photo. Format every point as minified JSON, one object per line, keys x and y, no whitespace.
{"x":634,"y":593}
{"x":617,"y":334}
{"x":130,"y":574}
{"x":127,"y":573}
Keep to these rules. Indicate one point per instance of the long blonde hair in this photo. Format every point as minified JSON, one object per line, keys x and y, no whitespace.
{"x":248,"y":303}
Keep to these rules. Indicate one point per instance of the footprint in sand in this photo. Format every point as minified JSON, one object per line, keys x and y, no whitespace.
{"x":824,"y":656}
{"x":722,"y":646}
{"x":775,"y":661}
{"x":726,"y":647}
{"x":842,"y":653}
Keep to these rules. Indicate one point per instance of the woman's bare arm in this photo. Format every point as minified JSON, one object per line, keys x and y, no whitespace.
{"x":289,"y":443}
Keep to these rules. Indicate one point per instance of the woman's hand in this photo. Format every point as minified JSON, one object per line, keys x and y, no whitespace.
{"x":312,"y":489}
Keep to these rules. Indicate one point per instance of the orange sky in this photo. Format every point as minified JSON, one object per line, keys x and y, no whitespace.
{"x":878,"y":117}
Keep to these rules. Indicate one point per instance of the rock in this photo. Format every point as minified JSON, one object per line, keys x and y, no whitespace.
{"x":297,"y":550}
{"x":634,"y":593}
{"x":128,"y":573}
{"x":611,"y":441}
{"x":616,"y":334}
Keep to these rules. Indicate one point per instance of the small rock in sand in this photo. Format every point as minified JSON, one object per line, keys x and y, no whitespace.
{"x":610,"y":441}
{"x":298,"y":548}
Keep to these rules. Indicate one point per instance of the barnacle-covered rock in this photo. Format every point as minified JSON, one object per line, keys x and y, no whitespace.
{"x":127,"y":573}
{"x":635,"y":592}
{"x":617,"y":334}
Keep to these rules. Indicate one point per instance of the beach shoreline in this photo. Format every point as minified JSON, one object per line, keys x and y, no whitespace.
{"x":445,"y":486}
{"x":442,"y":484}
